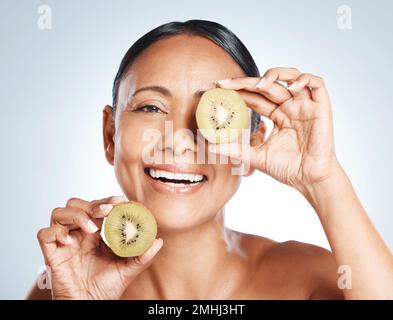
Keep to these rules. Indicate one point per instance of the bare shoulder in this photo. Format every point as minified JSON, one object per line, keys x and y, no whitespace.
{"x":304,"y":270}
{"x":314,"y":264}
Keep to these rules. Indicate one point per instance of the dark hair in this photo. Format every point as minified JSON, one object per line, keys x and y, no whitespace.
{"x":213,"y":31}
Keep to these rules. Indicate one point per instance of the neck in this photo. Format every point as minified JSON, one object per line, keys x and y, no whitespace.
{"x":196,"y":262}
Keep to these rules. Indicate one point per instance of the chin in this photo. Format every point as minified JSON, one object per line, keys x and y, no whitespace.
{"x":174,"y":214}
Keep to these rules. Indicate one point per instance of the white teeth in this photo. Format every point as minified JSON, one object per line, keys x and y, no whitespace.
{"x":169,"y":175}
{"x":175,"y":176}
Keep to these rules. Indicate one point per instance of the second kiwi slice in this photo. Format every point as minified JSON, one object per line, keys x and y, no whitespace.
{"x":221,"y":115}
{"x":130,"y":229}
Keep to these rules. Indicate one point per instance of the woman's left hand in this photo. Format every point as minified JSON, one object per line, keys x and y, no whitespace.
{"x":300,"y":149}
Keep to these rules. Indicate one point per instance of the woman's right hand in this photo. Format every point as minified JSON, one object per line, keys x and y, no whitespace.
{"x":81,"y":265}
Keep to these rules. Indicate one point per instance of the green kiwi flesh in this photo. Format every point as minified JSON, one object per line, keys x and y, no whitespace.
{"x":130,"y":229}
{"x":221,"y":115}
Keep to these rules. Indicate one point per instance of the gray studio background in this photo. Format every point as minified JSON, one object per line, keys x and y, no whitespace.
{"x":55,"y":83}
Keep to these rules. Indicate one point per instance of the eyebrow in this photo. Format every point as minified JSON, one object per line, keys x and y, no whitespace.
{"x":165,"y":91}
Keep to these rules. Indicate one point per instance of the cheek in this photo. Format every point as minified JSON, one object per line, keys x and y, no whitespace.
{"x":129,"y":144}
{"x":128,"y":150}
{"x":128,"y":164}
{"x":226,"y":181}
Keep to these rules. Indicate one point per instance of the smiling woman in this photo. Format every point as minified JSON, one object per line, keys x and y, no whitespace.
{"x":160,"y":80}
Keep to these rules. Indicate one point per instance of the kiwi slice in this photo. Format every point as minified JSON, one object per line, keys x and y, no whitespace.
{"x":129,"y":229}
{"x":221,"y":115}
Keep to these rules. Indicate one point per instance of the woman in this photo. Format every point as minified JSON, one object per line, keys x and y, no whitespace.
{"x":161,"y":79}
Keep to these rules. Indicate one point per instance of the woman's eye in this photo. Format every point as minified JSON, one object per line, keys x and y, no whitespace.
{"x":148,"y":108}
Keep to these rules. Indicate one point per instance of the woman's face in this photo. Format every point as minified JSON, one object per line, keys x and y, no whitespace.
{"x":184,"y":65}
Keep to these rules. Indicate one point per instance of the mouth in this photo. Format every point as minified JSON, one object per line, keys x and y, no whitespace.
{"x":172,"y":179}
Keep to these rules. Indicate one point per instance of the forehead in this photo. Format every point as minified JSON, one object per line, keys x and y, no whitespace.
{"x":182,"y":60}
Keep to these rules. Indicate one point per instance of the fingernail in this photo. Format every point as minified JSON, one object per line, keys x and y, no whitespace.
{"x":68,"y":240}
{"x":91,"y":226}
{"x":159,"y":244}
{"x":106,"y":207}
{"x":152,"y":251}
{"x":293,"y":86}
{"x":224,"y":81}
{"x":212,"y":148}
{"x":119,"y":198}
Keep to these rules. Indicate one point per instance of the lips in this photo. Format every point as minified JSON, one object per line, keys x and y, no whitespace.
{"x":175,"y":179}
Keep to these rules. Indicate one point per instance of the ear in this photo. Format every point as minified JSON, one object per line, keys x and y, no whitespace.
{"x":257,"y":139}
{"x":108,"y":125}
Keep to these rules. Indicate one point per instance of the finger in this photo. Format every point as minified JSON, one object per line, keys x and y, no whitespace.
{"x":131,"y":267}
{"x":85,"y":205}
{"x":74,"y":218}
{"x":148,"y":255}
{"x":275,"y":92}
{"x":246,"y":153}
{"x":232,"y":150}
{"x":315,"y":83}
{"x":288,"y":75}
{"x":94,"y":208}
{"x":263,"y":106}
{"x":302,"y":92}
{"x":49,"y":237}
{"x":278,"y":74}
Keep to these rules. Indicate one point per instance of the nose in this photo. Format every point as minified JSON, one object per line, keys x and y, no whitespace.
{"x":180,"y":136}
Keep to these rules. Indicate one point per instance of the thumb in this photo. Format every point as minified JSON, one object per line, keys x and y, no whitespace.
{"x":133,"y":266}
{"x":251,"y":156}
